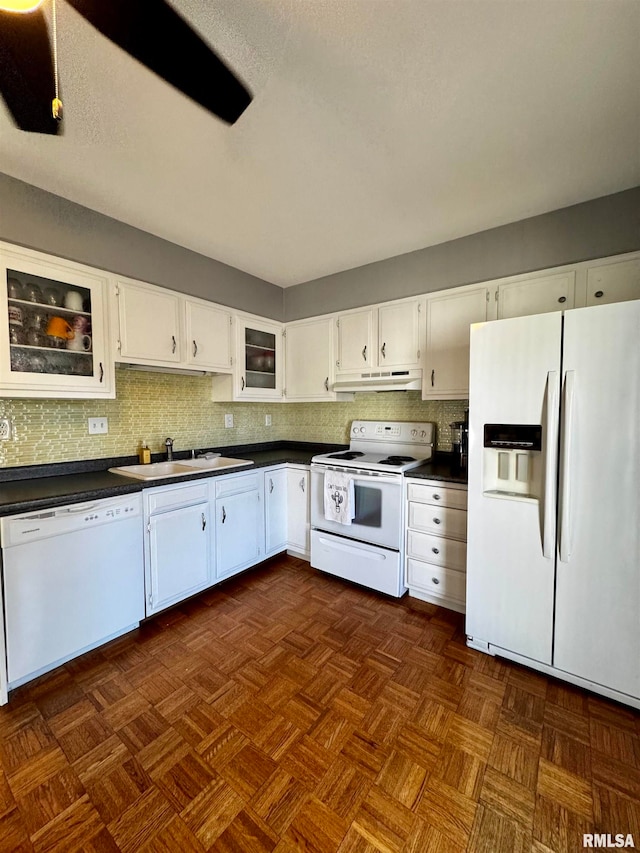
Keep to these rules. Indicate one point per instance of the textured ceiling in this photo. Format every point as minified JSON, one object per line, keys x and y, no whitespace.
{"x":377,"y":127}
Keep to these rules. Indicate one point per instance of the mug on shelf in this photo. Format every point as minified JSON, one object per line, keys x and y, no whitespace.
{"x":14,"y":288}
{"x":16,"y":316}
{"x":16,"y":335}
{"x":81,"y":325}
{"x":36,"y":338}
{"x":32,"y":292}
{"x":80,"y":343}
{"x":52,"y":296}
{"x":38,"y":320}
{"x":57,"y":327}
{"x":73,"y":300}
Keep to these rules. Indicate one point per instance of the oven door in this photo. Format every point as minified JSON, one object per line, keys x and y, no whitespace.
{"x":378,"y":507}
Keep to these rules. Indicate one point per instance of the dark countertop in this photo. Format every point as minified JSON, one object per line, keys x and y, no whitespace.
{"x":27,"y":488}
{"x":443,"y":466}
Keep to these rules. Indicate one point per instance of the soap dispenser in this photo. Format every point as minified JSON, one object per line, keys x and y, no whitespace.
{"x":144,"y":454}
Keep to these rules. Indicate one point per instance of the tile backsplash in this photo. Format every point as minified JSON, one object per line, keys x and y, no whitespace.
{"x":151,"y":406}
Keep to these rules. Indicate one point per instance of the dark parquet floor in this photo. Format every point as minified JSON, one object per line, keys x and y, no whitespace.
{"x":289,"y":711}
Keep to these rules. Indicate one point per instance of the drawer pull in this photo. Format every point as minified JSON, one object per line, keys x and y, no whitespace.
{"x":436,"y":497}
{"x":436,"y":521}
{"x":435,"y":581}
{"x":436,"y":550}
{"x":599,"y":293}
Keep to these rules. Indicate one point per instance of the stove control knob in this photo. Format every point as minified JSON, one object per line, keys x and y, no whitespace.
{"x":362,"y":430}
{"x":355,"y":430}
{"x":414,"y":433}
{"x":423,"y":433}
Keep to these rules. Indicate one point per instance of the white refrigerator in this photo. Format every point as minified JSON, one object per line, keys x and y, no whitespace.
{"x":553,"y":551}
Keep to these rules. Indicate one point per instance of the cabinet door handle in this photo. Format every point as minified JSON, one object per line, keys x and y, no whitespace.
{"x":383,"y":350}
{"x":204,"y":521}
{"x":224,"y":515}
{"x":598,"y":294}
{"x":101,"y":372}
{"x":436,"y":497}
{"x":195,"y":349}
{"x":302,"y":484}
{"x":435,"y":581}
{"x":242,"y":380}
{"x":562,"y":299}
{"x":433,"y":378}
{"x":436,"y":550}
{"x":364,"y":352}
{"x":173,"y":343}
{"x":326,"y":384}
{"x":436,"y":521}
{"x":270,"y":485}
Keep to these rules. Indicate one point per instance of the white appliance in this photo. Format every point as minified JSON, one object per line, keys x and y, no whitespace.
{"x":553,"y":553}
{"x":72,"y":579}
{"x":368,"y":551}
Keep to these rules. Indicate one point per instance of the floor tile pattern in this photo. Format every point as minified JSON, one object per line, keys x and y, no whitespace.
{"x":287,"y":710}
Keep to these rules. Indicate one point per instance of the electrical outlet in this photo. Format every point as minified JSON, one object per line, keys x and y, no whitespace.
{"x":228,"y":421}
{"x":267,"y":420}
{"x":98,"y":426}
{"x":5,"y":429}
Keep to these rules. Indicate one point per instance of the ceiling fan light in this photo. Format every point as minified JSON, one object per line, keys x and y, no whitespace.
{"x":19,"y":5}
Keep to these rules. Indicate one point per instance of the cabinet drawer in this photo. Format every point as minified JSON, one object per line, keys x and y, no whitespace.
{"x":439,"y":520}
{"x":174,"y":497}
{"x":431,"y":493}
{"x":236,"y":485}
{"x":436,"y":580}
{"x":451,"y":553}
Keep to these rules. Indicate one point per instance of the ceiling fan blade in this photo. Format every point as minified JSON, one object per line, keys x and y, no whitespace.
{"x":152,"y":32}
{"x":26,"y":71}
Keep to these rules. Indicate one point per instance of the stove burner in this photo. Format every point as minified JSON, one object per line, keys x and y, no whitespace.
{"x":348,"y":454}
{"x":396,"y":460}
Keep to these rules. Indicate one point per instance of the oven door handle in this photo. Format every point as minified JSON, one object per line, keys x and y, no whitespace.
{"x":351,"y":549}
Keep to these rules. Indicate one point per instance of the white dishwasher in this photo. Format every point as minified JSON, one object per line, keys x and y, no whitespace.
{"x":73,"y":578}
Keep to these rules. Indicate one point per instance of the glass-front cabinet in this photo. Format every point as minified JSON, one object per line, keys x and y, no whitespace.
{"x":53,"y":336}
{"x":260,"y":346}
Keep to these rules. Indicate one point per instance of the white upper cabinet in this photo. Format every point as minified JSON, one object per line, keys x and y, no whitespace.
{"x":446,"y":364}
{"x":257,"y":363}
{"x":536,"y":295}
{"x":208,"y":335}
{"x":399,"y":334}
{"x":385,"y":337}
{"x":162,"y":328}
{"x":309,"y":360}
{"x":54,"y":340}
{"x":150,"y":328}
{"x":355,"y":341}
{"x":613,"y":282}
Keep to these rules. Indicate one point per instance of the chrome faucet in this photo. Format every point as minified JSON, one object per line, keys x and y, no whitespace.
{"x":168,"y":443}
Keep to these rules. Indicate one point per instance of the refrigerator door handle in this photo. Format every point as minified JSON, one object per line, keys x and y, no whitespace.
{"x":548,"y":533}
{"x":565,"y":469}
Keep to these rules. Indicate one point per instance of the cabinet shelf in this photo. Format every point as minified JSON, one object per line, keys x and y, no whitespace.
{"x":51,"y":309}
{"x":49,"y":350}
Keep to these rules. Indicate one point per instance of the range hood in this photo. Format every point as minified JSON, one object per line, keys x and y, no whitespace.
{"x":380,"y":380}
{"x":152,"y":368}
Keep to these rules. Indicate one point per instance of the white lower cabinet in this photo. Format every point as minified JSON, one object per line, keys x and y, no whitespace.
{"x":239,"y":523}
{"x":275,"y":510}
{"x":298,"y":510}
{"x":436,"y":548}
{"x":177,"y":544}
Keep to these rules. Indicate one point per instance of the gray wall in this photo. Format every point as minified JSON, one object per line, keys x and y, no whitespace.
{"x":594,"y":229}
{"x":40,"y":220}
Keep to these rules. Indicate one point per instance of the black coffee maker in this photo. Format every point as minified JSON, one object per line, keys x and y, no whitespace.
{"x":460,"y":440}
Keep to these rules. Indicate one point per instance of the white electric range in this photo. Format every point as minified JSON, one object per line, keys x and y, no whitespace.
{"x":367,"y":548}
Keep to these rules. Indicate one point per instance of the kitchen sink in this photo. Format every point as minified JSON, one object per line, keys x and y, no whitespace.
{"x":160,"y":470}
{"x":216,"y":463}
